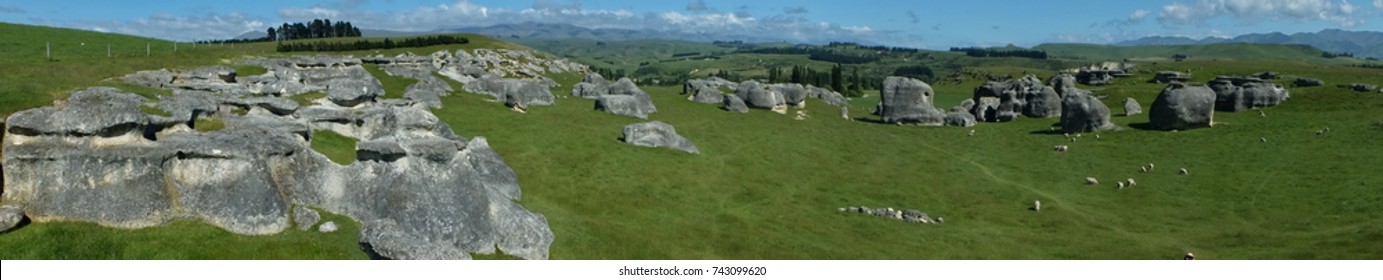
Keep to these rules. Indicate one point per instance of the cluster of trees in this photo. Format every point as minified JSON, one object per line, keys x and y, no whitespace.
{"x":834,"y":79}
{"x":819,"y":54}
{"x":608,"y":73}
{"x":675,"y":55}
{"x":1334,"y":55}
{"x":989,"y":52}
{"x":317,"y":28}
{"x":322,"y":46}
{"x":920,"y":72}
{"x":874,"y":48}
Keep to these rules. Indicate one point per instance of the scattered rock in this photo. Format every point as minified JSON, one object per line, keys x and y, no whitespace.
{"x":1363,"y":87}
{"x":1181,"y":106}
{"x":305,"y":217}
{"x":328,"y":226}
{"x":1308,"y":82}
{"x":657,"y":134}
{"x":907,"y":215}
{"x":961,"y":119}
{"x":1131,"y":107}
{"x":10,"y":217}
{"x":1235,"y":94}
{"x":1164,"y":77}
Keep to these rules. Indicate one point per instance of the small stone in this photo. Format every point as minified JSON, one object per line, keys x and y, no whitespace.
{"x":328,"y":226}
{"x":10,"y":217}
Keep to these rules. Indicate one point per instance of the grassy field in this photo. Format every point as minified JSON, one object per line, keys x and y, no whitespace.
{"x":1223,"y":51}
{"x":766,"y":186}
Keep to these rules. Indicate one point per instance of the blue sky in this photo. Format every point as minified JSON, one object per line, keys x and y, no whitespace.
{"x":926,"y":24}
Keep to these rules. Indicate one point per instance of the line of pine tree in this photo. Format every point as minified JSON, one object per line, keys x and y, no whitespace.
{"x":317,"y":28}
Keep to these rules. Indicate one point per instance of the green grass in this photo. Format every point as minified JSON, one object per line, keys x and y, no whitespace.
{"x":208,"y":124}
{"x":394,"y":86}
{"x":1224,"y":51}
{"x":339,"y":148}
{"x":179,"y":240}
{"x":307,"y":98}
{"x":250,"y":70}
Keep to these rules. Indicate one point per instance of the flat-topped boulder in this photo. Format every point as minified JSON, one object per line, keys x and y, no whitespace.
{"x":657,"y":134}
{"x":529,"y":92}
{"x":96,"y":111}
{"x":1234,"y":94}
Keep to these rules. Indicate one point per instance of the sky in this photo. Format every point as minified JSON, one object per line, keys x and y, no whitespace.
{"x":920,"y":24}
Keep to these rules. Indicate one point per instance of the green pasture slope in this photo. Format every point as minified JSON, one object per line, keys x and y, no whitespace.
{"x":766,"y":186}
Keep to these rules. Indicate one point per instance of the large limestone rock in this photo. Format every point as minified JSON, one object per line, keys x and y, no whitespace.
{"x":1042,"y":102}
{"x":707,"y":90}
{"x":1164,"y":77}
{"x":1234,"y":94}
{"x":1062,"y":83}
{"x":657,"y":134}
{"x":761,"y":96}
{"x":733,"y":103}
{"x":907,"y":100}
{"x":529,"y":92}
{"x":1182,"y":106}
{"x":626,"y":99}
{"x":420,"y":190}
{"x":1007,"y":100}
{"x":961,"y":119}
{"x":793,"y":94}
{"x":1084,"y":113}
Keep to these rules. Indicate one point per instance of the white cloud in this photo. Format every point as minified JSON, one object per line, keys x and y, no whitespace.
{"x":1250,"y":11}
{"x":1378,"y":4}
{"x":1139,"y":14}
{"x":166,"y":26}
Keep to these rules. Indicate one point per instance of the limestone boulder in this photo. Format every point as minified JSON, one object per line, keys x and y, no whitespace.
{"x":907,"y":100}
{"x":657,"y":134}
{"x":1084,"y":113}
{"x":733,"y":103}
{"x":1181,"y":107}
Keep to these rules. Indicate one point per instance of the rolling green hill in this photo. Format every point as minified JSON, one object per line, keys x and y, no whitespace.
{"x":1222,"y":51}
{"x":766,"y":186}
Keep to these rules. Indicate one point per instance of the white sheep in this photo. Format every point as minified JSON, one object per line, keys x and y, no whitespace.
{"x":1183,"y":171}
{"x":1091,"y":181}
{"x":1061,"y":148}
{"x":1073,"y":139}
{"x":1097,"y":136}
{"x":972,"y":132}
{"x":1144,"y":168}
{"x":1131,"y":182}
{"x":1036,"y":205}
{"x":1120,"y":184}
{"x":1262,"y":114}
{"x":1263,"y":139}
{"x":1151,"y":167}
{"x":940,"y":220}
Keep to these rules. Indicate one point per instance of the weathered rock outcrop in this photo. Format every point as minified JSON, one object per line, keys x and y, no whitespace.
{"x":907,"y":100}
{"x":761,"y":96}
{"x":10,"y":217}
{"x":1084,"y":113}
{"x":1007,"y":100}
{"x":419,"y":190}
{"x":1164,"y":77}
{"x":1234,"y":94}
{"x":657,"y":134}
{"x":961,"y":119}
{"x":592,"y":86}
{"x":529,"y":92}
{"x":626,"y":99}
{"x":733,"y":103}
{"x":1182,"y":106}
{"x":1362,"y":87}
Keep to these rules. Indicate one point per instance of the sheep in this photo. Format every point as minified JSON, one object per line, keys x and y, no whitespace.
{"x":1263,"y":139}
{"x":972,"y":132}
{"x":1097,"y":137}
{"x":940,"y":220}
{"x":1091,"y":181}
{"x":1183,"y":171}
{"x":1151,"y":167}
{"x":1120,"y":184}
{"x":1131,"y":182}
{"x":1262,"y":114}
{"x":1144,"y":168}
{"x":1073,"y":139}
{"x":1061,"y":148}
{"x":1036,"y":205}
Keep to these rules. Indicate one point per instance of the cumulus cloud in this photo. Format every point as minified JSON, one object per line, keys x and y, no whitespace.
{"x":795,"y":10}
{"x":12,"y":9}
{"x":166,"y":26}
{"x":1340,"y":13}
{"x":704,"y":22}
{"x":697,"y":6}
{"x":1134,"y":18}
{"x":912,"y":16}
{"x":1378,"y":4}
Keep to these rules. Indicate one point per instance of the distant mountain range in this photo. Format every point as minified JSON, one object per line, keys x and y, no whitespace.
{"x":533,"y":30}
{"x":1360,"y":43}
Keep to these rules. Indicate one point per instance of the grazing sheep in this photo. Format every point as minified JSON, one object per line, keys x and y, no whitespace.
{"x":1073,"y":139}
{"x":1120,"y":184}
{"x":1145,"y":168}
{"x":1263,"y":139}
{"x":1262,"y":114}
{"x":1131,"y":182}
{"x":1078,"y":135}
{"x":1151,"y":167}
{"x":1091,"y":181}
{"x":972,"y":132}
{"x":1066,"y":134}
{"x":1036,"y":205}
{"x":1097,"y":136}
{"x":1183,"y":171}
{"x":940,"y":220}
{"x":1327,"y":129}
{"x":1061,"y":148}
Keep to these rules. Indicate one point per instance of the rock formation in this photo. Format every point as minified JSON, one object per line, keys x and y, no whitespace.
{"x":1131,"y":107}
{"x":657,"y":134}
{"x":761,"y":96}
{"x":625,"y":99}
{"x":1084,"y":113}
{"x":1182,"y":106}
{"x":1307,"y":82}
{"x":1164,"y":77}
{"x":1007,"y":100}
{"x":419,"y":190}
{"x":907,"y":100}
{"x":707,"y":90}
{"x":1234,"y":94}
{"x":733,"y":103}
